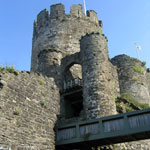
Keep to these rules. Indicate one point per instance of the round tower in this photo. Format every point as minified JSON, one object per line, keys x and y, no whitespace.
{"x":56,"y":35}
{"x":132,"y":78}
{"x":98,"y":86}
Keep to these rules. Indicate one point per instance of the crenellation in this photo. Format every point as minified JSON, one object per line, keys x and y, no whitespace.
{"x":93,"y":16}
{"x":76,"y":10}
{"x":57,"y":11}
{"x":101,"y":26}
{"x":42,"y":18}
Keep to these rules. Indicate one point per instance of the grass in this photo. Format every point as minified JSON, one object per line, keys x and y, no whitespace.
{"x":143,"y":63}
{"x":40,"y":82}
{"x":118,"y":69}
{"x":68,"y":54}
{"x":130,"y":99}
{"x":9,"y":69}
{"x":130,"y":104}
{"x":17,"y":112}
{"x":43,"y":103}
{"x":138,"y":69}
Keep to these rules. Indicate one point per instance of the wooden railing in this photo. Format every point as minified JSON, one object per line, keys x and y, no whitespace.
{"x":119,"y":128}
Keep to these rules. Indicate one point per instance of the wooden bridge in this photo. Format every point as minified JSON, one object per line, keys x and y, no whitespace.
{"x":119,"y":128}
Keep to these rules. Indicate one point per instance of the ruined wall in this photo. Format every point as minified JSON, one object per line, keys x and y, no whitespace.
{"x":98,"y":87}
{"x":132,"y":77}
{"x":134,"y":80}
{"x":29,"y":105}
{"x":148,"y":78}
{"x":60,"y":33}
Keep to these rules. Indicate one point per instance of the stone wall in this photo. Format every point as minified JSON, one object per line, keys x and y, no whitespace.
{"x":29,"y":105}
{"x":148,"y":78}
{"x":132,"y":77}
{"x":98,"y":87}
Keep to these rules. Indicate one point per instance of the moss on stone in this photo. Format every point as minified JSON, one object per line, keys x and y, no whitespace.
{"x":40,"y":82}
{"x":17,"y":112}
{"x":43,"y":103}
{"x":138,"y":69}
{"x":9,"y":69}
{"x":68,"y":54}
{"x":143,"y":63}
{"x":130,"y":104}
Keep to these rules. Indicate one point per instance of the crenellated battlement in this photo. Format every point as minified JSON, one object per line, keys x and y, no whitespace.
{"x":93,"y":15}
{"x":76,"y":10}
{"x":57,"y":12}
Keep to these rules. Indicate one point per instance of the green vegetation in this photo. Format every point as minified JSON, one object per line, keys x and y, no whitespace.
{"x":138,"y":69}
{"x":118,"y":69}
{"x":17,"y":112}
{"x":136,"y":59}
{"x":43,"y":103}
{"x":118,"y":107}
{"x":43,"y":94}
{"x":134,"y":79}
{"x":128,"y":108}
{"x":68,"y":54}
{"x":143,"y":63}
{"x":9,"y":69}
{"x":40,"y":82}
{"x":127,"y":102}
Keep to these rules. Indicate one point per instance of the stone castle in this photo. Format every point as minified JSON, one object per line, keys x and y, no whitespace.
{"x":72,"y":78}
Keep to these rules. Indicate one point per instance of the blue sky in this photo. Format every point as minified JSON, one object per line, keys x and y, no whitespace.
{"x":124,"y":23}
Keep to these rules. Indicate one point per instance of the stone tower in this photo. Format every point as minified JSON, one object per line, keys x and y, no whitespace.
{"x":97,"y":77}
{"x":56,"y":53}
{"x":56,"y":35}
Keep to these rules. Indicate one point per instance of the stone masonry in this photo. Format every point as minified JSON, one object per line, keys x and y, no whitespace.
{"x":29,"y":105}
{"x":98,"y":92}
{"x":59,"y":33}
{"x":132,"y":78}
{"x":66,"y":47}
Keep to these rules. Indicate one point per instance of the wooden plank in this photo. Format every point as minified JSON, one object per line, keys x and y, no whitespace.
{"x":89,"y":129}
{"x":65,"y":134}
{"x":139,"y":120}
{"x":113,"y":125}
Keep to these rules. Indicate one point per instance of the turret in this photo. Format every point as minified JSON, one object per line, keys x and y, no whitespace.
{"x":132,"y":78}
{"x":98,"y":91}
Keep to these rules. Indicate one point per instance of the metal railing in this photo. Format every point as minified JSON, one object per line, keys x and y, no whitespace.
{"x":70,"y":84}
